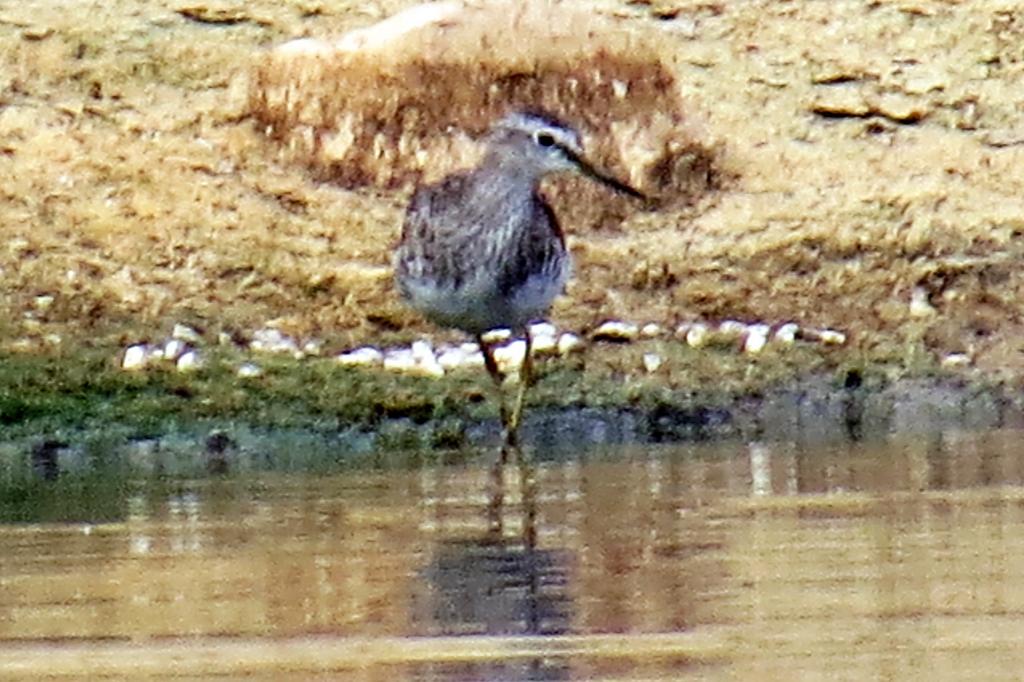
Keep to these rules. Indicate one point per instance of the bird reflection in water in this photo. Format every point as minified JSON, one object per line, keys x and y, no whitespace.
{"x":499,"y":582}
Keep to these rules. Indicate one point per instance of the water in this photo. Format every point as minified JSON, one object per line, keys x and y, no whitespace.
{"x":899,"y":560}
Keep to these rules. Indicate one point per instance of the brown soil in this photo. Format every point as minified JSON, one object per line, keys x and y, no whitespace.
{"x":875,"y":149}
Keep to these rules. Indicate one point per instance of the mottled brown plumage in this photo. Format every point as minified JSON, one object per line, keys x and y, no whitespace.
{"x":482,"y":249}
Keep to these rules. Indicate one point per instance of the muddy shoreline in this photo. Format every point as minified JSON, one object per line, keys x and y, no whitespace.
{"x":813,"y":412}
{"x":874,"y":153}
{"x":876,"y":190}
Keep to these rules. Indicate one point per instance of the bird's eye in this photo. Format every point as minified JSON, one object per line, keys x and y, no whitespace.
{"x":544,"y":139}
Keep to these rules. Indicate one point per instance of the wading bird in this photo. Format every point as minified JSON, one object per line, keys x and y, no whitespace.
{"x":482,"y":249}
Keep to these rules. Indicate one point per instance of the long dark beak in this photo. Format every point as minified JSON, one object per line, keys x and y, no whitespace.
{"x":607,"y":180}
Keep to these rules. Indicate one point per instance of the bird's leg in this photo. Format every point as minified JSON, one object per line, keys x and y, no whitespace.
{"x":492,"y":369}
{"x":525,"y":377}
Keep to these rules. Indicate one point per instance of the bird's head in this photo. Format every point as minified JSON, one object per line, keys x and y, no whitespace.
{"x":540,"y":144}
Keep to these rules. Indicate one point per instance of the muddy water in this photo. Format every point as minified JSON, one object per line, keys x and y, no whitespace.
{"x":898,"y":560}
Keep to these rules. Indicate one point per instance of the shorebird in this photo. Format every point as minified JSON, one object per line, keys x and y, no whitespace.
{"x":482,"y":249}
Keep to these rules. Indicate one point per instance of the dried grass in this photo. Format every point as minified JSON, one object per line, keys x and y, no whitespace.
{"x":136,"y":192}
{"x":402,"y":101}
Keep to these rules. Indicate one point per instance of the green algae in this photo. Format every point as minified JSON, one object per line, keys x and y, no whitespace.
{"x":45,"y":394}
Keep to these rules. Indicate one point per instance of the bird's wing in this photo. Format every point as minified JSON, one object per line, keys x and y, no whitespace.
{"x":433,"y":232}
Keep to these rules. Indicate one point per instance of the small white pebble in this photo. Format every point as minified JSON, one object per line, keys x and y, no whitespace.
{"x":829,"y":337}
{"x":224,"y":339}
{"x":451,"y":358}
{"x":312,"y":347}
{"x":651,"y":330}
{"x":422,"y":351}
{"x":616,"y":330}
{"x":697,"y":335}
{"x":731,"y":329}
{"x":43,"y":302}
{"x":463,"y":355}
{"x":756,"y":338}
{"x":430,"y":367}
{"x":497,"y":335}
{"x":400,"y":360}
{"x":832,"y":337}
{"x":248,"y":370}
{"x":183,"y":332}
{"x":189,"y":361}
{"x":53,"y":339}
{"x":543,"y":329}
{"x":511,"y":355}
{"x":920,"y":306}
{"x":956,"y":360}
{"x":474,"y":359}
{"x":652,"y":361}
{"x":361,"y":357}
{"x":569,"y":343}
{"x":270,"y":340}
{"x":135,"y":357}
{"x":406,"y":361}
{"x":174,"y":348}
{"x":786,"y":334}
{"x":544,"y":344}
